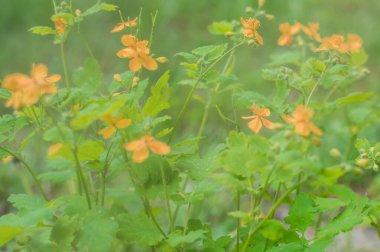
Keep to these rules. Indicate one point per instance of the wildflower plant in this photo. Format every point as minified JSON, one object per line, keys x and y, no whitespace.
{"x":123,"y":169}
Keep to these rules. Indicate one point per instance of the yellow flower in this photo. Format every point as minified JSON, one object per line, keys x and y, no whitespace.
{"x":258,"y":120}
{"x":140,"y":148}
{"x":113,"y":123}
{"x":250,"y":29}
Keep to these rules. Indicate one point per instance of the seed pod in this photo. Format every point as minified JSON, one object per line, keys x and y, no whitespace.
{"x":334,"y":152}
{"x":362,"y":162}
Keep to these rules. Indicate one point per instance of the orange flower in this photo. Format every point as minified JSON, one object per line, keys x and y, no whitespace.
{"x":114,"y":123}
{"x":258,"y":120}
{"x":60,"y":25}
{"x":288,"y":31}
{"x":312,"y":31}
{"x":138,"y":52}
{"x":27,"y":90}
{"x":334,"y":42}
{"x":251,"y":25}
{"x":301,"y":120}
{"x":354,"y":42}
{"x":140,"y":148}
{"x":121,"y":26}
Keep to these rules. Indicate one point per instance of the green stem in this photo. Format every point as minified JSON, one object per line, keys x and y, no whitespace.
{"x":238,"y":222}
{"x":266,"y":218}
{"x":30,"y":170}
{"x":149,"y":208}
{"x":82,"y":179}
{"x":166,"y":193}
{"x":64,"y":64}
{"x":190,"y":95}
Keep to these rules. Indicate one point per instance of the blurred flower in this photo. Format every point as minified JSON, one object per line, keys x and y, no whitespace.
{"x":60,"y":25}
{"x":251,"y":25}
{"x":288,"y":31}
{"x":53,"y":149}
{"x":114,"y":123}
{"x":140,"y":148}
{"x":354,"y":42}
{"x":121,"y":26}
{"x":301,"y":120}
{"x":138,"y":52}
{"x":117,"y":77}
{"x":312,"y":31}
{"x":337,"y":42}
{"x":27,"y":90}
{"x":258,"y":120}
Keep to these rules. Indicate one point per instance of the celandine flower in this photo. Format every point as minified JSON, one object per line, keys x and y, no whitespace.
{"x":140,"y":148}
{"x":288,"y":31}
{"x":27,"y":90}
{"x":138,"y":52}
{"x":301,"y":121}
{"x":114,"y":123}
{"x":250,"y":29}
{"x":258,"y":120}
{"x":121,"y":26}
{"x":337,"y":42}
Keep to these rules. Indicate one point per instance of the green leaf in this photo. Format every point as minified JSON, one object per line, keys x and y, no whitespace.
{"x":359,"y":58}
{"x":138,"y":229}
{"x":289,"y":247}
{"x":42,"y":30}
{"x":96,"y":233}
{"x":212,"y":52}
{"x":89,"y":77}
{"x":26,"y":202}
{"x":63,"y":233}
{"x":159,"y":99}
{"x":175,"y":239}
{"x":319,"y":245}
{"x":328,"y":204}
{"x":344,"y":192}
{"x":220,"y":28}
{"x":59,"y":134}
{"x":272,"y":230}
{"x":352,"y":216}
{"x":301,"y":213}
{"x":90,"y":150}
{"x":4,"y":94}
{"x":355,"y":98}
{"x":109,"y":7}
{"x":7,"y":233}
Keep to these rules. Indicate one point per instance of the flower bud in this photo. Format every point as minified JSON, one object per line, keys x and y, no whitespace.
{"x":269,"y":17}
{"x":375,"y":167}
{"x":117,"y":77}
{"x":229,"y":34}
{"x":162,"y":60}
{"x":357,"y":171}
{"x":261,"y":3}
{"x":334,"y":152}
{"x":78,"y":12}
{"x":362,"y":162}
{"x":135,"y":81}
{"x":249,"y":9}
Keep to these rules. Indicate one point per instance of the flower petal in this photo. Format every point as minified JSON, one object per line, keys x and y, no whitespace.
{"x":107,"y":132}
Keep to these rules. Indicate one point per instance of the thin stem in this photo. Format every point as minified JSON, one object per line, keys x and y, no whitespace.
{"x":166,"y":193}
{"x":190,"y":95}
{"x":271,"y":211}
{"x":30,"y":170}
{"x":149,"y":208}
{"x":82,"y":178}
{"x":64,"y":64}
{"x":238,"y":222}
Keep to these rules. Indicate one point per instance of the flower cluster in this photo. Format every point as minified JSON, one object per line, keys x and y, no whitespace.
{"x":27,"y":90}
{"x":336,"y":42}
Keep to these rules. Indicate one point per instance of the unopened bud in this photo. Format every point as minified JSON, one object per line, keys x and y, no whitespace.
{"x":251,"y":42}
{"x":375,"y":167}
{"x":269,"y":17}
{"x":249,"y":9}
{"x":78,"y":12}
{"x":334,"y":152}
{"x":115,"y":94}
{"x":364,"y":155}
{"x":277,"y":126}
{"x":261,"y":3}
{"x":361,"y":150}
{"x":117,"y":77}
{"x":372,"y":149}
{"x":362,"y":162}
{"x":162,"y":60}
{"x":135,"y":81}
{"x":229,"y":34}
{"x":357,"y":171}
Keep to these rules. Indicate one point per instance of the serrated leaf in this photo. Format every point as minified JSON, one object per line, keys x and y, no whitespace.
{"x":211,"y":51}
{"x":42,"y":30}
{"x":175,"y":239}
{"x":272,"y":230}
{"x":96,"y":233}
{"x":26,"y":202}
{"x":352,"y":216}
{"x":90,"y":150}
{"x":89,"y":77}
{"x":301,"y":213}
{"x":138,"y":229}
{"x":328,"y":204}
{"x":159,"y":99}
{"x":63,"y":233}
